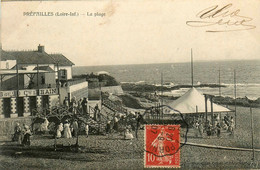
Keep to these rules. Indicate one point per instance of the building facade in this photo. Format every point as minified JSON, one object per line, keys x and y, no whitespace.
{"x":35,"y":79}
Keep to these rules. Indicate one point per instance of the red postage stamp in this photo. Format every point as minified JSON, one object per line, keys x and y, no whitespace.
{"x":162,"y":146}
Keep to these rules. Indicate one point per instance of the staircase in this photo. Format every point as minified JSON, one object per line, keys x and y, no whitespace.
{"x":113,"y":106}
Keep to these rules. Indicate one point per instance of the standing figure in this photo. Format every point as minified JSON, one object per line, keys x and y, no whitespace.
{"x":79,"y":105}
{"x":201,"y":128}
{"x":27,"y":133}
{"x":231,"y":125}
{"x":66,"y":102}
{"x":84,"y":105}
{"x":208,"y":128}
{"x":108,"y":127}
{"x":59,"y":130}
{"x":67,"y":132}
{"x":196,"y":126}
{"x":96,"y":113}
{"x":115,"y":124}
{"x":87,"y":129}
{"x":138,"y":121}
{"x":44,"y":126}
{"x":74,"y":105}
{"x":17,"y":133}
{"x":75,"y":128}
{"x":218,"y":129}
{"x":42,"y":80}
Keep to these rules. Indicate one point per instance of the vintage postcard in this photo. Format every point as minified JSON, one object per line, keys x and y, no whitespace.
{"x":130,"y":84}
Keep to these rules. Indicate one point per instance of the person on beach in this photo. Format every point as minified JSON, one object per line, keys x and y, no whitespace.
{"x":44,"y":126}
{"x":218,"y":127}
{"x":128,"y":135}
{"x":87,"y":129}
{"x":196,"y":127}
{"x":201,"y":128}
{"x":224,"y":125}
{"x":27,"y":134}
{"x":75,"y":128}
{"x":67,"y":132}
{"x":138,"y":120}
{"x":17,"y":133}
{"x":108,"y":127}
{"x":74,"y":105}
{"x":115,"y":127}
{"x":232,"y":121}
{"x":208,"y":128}
{"x":84,"y":104}
{"x":79,"y":105}
{"x":59,"y":130}
{"x":226,"y":120}
{"x":66,"y":102}
{"x":231,"y":126}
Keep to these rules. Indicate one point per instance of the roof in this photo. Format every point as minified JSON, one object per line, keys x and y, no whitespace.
{"x":6,"y":56}
{"x":194,"y":102}
{"x":36,"y":57}
{"x":62,"y":60}
{"x":32,"y":57}
{"x":46,"y":68}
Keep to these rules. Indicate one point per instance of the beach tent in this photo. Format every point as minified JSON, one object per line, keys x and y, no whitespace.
{"x":194,"y":102}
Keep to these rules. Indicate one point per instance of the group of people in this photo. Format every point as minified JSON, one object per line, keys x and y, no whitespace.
{"x":68,"y":130}
{"x":130,"y":122}
{"x":22,"y":134}
{"x":74,"y":105}
{"x":215,"y":126}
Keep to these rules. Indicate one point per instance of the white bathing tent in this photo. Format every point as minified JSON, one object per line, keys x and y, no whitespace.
{"x":194,"y":102}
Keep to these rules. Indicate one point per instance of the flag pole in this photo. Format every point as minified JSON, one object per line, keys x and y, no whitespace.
{"x":219,"y":82}
{"x":191,"y":69}
{"x":252,"y":130}
{"x":162,"y":92}
{"x":235,"y":93}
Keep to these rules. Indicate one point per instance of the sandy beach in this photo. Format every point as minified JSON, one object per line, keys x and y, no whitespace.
{"x":102,"y":152}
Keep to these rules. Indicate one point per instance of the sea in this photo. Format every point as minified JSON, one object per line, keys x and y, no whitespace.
{"x":244,"y":73}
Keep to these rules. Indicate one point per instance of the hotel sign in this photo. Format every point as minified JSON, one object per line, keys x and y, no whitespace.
{"x":7,"y":94}
{"x":27,"y":93}
{"x":49,"y":91}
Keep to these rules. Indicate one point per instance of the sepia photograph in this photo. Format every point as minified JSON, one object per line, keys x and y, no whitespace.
{"x":129,"y":84}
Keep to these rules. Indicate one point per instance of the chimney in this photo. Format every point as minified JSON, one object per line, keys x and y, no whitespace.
{"x":41,"y":48}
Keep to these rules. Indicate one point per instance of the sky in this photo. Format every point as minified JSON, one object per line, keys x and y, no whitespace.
{"x":131,"y":32}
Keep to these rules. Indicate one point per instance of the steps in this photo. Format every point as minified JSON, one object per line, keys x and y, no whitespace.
{"x":113,"y":106}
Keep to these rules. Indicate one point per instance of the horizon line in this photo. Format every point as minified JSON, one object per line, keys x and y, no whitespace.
{"x":196,"y":61}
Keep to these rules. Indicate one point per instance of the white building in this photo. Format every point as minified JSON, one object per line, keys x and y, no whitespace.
{"x":29,"y":60}
{"x":7,"y":61}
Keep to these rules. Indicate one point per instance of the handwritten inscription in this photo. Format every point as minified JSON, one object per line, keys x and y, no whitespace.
{"x":222,"y":19}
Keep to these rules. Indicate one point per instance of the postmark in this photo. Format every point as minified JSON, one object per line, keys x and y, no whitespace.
{"x":162,"y":146}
